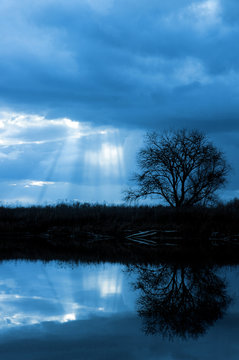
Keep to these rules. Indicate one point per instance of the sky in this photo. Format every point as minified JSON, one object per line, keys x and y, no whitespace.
{"x":81,"y":81}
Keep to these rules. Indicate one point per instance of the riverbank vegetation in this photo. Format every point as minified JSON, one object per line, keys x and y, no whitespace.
{"x":120,"y":233}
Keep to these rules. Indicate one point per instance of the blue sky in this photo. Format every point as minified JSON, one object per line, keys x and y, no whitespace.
{"x":82,"y":80}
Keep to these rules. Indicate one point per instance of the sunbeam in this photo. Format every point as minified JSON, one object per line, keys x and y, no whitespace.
{"x":103,"y":163}
{"x":61,"y":159}
{"x":50,"y":171}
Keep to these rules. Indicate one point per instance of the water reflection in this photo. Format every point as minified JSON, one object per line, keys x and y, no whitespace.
{"x":88,"y":311}
{"x":180,"y":300}
{"x":33,"y":292}
{"x":171,"y":300}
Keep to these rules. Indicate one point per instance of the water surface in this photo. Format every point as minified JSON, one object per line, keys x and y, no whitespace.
{"x":111,"y":311}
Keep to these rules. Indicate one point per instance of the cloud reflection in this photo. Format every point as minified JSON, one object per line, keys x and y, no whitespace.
{"x":53,"y":311}
{"x":85,"y":291}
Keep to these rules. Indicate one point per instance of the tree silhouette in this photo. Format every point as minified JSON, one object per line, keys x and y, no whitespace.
{"x":178,"y":300}
{"x":180,"y":166}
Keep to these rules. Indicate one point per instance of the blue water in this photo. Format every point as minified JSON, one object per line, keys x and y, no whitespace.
{"x":63,"y":311}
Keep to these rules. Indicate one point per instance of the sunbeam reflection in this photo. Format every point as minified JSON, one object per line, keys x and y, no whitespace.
{"x":27,"y":299}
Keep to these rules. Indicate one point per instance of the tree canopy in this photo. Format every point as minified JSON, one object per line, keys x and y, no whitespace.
{"x":181,"y":166}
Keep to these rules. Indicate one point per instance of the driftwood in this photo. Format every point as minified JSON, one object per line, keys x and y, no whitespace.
{"x":156,"y":237}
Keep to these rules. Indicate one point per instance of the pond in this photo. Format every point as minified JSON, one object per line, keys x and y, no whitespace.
{"x":111,"y":311}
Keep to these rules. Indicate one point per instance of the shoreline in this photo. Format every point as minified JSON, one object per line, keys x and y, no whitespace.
{"x":120,"y":233}
{"x":100,"y":248}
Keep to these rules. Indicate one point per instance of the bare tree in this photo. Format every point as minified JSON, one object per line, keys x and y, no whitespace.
{"x":183,"y":167}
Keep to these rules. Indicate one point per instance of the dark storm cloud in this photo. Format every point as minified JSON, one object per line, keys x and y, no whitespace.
{"x":122,"y":62}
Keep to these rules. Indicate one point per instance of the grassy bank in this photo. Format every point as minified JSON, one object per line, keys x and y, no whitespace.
{"x":118,"y":220}
{"x":106,"y":233}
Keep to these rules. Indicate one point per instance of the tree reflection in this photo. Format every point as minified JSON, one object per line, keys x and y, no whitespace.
{"x":179,"y":300}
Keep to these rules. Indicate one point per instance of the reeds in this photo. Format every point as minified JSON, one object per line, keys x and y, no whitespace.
{"x":101,"y":232}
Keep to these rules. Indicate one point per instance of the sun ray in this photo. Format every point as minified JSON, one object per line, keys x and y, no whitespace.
{"x":50,"y":172}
